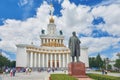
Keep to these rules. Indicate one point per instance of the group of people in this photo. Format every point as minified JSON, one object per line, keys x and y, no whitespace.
{"x":10,"y":71}
{"x":28,"y":70}
{"x":50,"y":69}
{"x":104,"y":71}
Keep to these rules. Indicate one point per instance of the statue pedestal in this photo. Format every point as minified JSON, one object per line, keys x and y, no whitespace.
{"x":77,"y":69}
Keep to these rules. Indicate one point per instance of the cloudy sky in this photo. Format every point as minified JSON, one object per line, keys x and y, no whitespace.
{"x":96,"y":22}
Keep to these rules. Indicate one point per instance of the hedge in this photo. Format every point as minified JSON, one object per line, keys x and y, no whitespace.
{"x":102,"y":77}
{"x":61,"y":77}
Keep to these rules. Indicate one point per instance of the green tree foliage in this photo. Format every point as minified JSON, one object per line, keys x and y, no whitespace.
{"x":92,"y":62}
{"x":96,"y":62}
{"x":6,"y":62}
{"x":117,"y":64}
{"x":104,"y":64}
{"x":99,"y":62}
{"x":12,"y":63}
{"x":109,"y":67}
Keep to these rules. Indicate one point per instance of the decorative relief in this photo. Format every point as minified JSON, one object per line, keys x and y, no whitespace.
{"x":53,"y":44}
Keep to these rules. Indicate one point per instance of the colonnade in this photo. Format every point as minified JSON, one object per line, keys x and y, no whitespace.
{"x":44,"y":41}
{"x":57,"y":60}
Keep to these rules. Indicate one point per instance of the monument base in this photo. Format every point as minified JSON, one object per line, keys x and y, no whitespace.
{"x":77,"y":69}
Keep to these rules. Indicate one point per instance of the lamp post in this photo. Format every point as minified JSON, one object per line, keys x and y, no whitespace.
{"x":107,"y":61}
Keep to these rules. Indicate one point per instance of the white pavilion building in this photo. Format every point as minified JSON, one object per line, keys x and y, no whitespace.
{"x":51,"y":53}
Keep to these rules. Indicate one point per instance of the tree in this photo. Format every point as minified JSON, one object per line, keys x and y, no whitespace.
{"x":5,"y":62}
{"x":109,"y":67}
{"x":96,"y":62}
{"x":104,"y":64}
{"x":117,"y":64}
{"x":12,"y":63}
{"x":92,"y":62}
{"x":99,"y":62}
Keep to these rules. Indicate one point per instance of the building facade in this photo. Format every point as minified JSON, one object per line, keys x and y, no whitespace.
{"x":51,"y":53}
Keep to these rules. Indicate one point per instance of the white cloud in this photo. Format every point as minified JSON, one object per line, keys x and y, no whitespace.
{"x":109,"y":2}
{"x":114,"y":56}
{"x":74,"y":18}
{"x":23,"y":2}
{"x":50,"y":1}
{"x":99,"y":44}
{"x":111,"y":16}
{"x":5,"y":55}
{"x":26,"y":5}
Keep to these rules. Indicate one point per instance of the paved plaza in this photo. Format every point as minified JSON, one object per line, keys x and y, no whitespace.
{"x":24,"y":76}
{"x":44,"y":75}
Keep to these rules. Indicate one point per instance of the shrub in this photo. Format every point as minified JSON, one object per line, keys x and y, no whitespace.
{"x":61,"y":77}
{"x":102,"y":77}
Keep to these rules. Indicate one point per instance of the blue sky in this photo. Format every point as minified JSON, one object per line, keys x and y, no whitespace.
{"x":95,"y":21}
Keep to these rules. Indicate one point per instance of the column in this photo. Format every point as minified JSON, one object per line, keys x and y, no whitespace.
{"x":60,"y":41}
{"x":55,"y":60}
{"x":51,"y":59}
{"x":28,"y":60}
{"x":67,"y":58}
{"x":59,"y":60}
{"x":47,"y":60}
{"x":39,"y":60}
{"x":35,"y":63}
{"x":63,"y":57}
{"x":31,"y":59}
{"x":43,"y":60}
{"x":41,"y":41}
{"x":47,"y":40}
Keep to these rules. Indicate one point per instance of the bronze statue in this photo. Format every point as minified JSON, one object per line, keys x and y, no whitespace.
{"x":74,"y":46}
{"x":43,"y":31}
{"x":61,"y":33}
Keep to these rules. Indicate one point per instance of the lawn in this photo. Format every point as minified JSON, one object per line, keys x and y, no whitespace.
{"x":62,"y":77}
{"x":102,"y":77}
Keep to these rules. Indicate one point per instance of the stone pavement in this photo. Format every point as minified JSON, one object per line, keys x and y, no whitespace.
{"x":24,"y":76}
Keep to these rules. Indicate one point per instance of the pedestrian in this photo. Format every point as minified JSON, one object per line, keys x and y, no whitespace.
{"x":11,"y":72}
{"x":102,"y":71}
{"x":14,"y":72}
{"x":30,"y":70}
{"x":52,"y":69}
{"x":27,"y":69}
{"x":6,"y":71}
{"x":105,"y":71}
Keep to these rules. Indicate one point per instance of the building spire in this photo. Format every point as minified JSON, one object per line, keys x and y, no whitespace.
{"x":51,"y":20}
